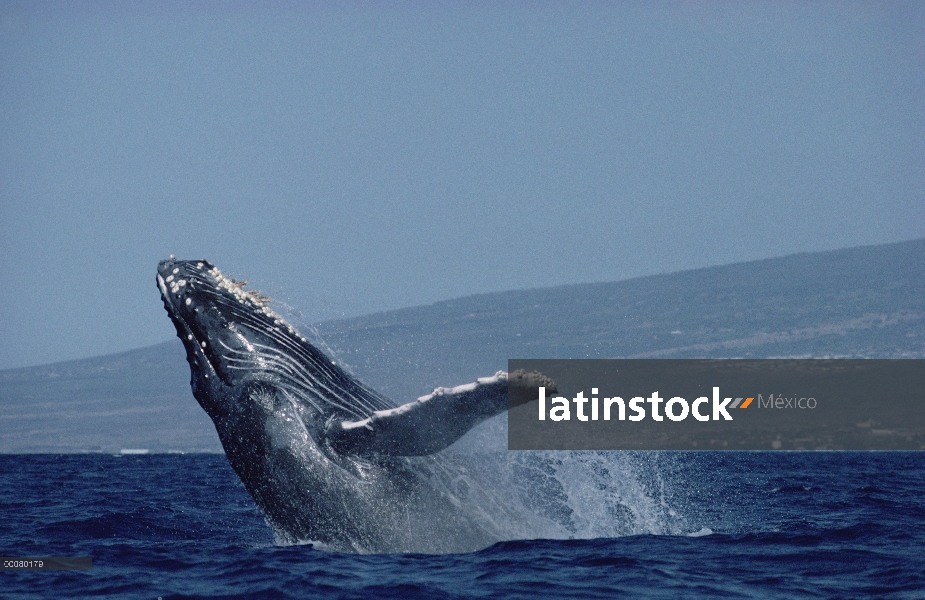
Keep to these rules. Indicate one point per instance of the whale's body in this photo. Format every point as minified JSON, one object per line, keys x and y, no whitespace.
{"x":326,"y":458}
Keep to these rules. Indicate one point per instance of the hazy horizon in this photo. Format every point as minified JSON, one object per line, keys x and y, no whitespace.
{"x":290,"y":312}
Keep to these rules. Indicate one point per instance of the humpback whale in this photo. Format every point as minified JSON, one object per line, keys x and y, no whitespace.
{"x":326,"y":458}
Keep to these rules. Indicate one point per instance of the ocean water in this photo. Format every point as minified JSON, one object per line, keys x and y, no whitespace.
{"x":645,"y":524}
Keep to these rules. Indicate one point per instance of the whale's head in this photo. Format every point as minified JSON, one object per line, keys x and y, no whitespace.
{"x":234,"y":340}
{"x":231,"y":335}
{"x":221,"y":326}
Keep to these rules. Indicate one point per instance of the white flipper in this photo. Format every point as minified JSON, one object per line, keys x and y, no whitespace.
{"x":433,"y":422}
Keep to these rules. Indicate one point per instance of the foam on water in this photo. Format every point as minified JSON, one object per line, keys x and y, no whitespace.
{"x":524,"y":495}
{"x":564,"y":495}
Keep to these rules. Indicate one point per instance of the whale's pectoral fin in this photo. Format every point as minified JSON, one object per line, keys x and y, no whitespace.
{"x":433,"y":422}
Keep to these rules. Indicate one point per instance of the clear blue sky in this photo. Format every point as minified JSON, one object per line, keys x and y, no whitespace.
{"x":355,"y":159}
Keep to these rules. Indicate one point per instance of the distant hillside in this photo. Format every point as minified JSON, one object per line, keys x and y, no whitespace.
{"x":859,"y":302}
{"x":136,"y":399}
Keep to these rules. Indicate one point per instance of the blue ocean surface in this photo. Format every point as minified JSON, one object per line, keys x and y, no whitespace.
{"x":710,"y":525}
